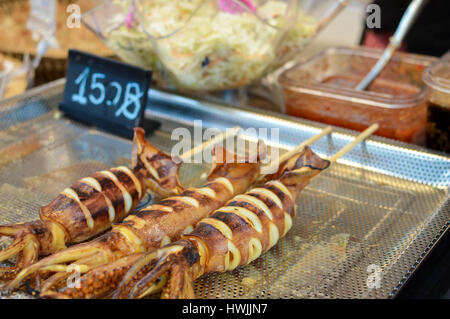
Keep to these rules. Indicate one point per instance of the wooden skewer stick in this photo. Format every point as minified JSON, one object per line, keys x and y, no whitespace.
{"x":353,"y":143}
{"x":309,"y":141}
{"x":274,"y":165}
{"x":199,"y":148}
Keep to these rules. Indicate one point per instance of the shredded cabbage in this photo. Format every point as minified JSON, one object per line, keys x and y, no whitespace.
{"x":194,"y":45}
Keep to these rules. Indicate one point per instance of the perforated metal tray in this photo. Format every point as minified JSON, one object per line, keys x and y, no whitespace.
{"x":382,"y":207}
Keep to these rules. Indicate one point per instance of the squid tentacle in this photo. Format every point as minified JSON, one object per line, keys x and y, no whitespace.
{"x":25,"y":245}
{"x":170,"y":271}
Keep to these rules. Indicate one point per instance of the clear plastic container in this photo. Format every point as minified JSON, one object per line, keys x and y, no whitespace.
{"x":437,"y":77}
{"x":322,"y":89}
{"x":209,"y":45}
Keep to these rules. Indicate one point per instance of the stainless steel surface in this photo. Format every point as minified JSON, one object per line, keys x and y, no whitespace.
{"x":378,"y":154}
{"x":383,"y":205}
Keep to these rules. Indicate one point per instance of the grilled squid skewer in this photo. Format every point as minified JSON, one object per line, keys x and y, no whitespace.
{"x":152,"y":227}
{"x":233,"y":235}
{"x":91,"y":205}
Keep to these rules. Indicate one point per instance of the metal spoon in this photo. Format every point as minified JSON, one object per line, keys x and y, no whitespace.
{"x":394,"y":42}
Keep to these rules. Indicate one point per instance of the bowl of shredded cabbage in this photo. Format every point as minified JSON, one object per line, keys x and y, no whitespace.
{"x":209,"y":45}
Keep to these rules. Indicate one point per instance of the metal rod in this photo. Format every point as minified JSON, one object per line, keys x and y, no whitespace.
{"x":366,"y":133}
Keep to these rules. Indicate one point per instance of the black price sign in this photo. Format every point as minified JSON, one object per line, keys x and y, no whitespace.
{"x":106,"y":93}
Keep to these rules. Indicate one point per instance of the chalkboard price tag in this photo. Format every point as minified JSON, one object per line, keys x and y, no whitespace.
{"x":106,"y":93}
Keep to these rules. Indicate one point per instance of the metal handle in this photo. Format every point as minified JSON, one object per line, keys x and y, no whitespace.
{"x":394,"y":43}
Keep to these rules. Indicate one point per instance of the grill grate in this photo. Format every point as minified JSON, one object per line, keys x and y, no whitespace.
{"x":343,"y":226}
{"x":350,"y":217}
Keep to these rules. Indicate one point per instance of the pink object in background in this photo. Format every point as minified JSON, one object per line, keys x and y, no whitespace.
{"x":130,"y":16}
{"x":379,"y":40}
{"x":233,"y":7}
